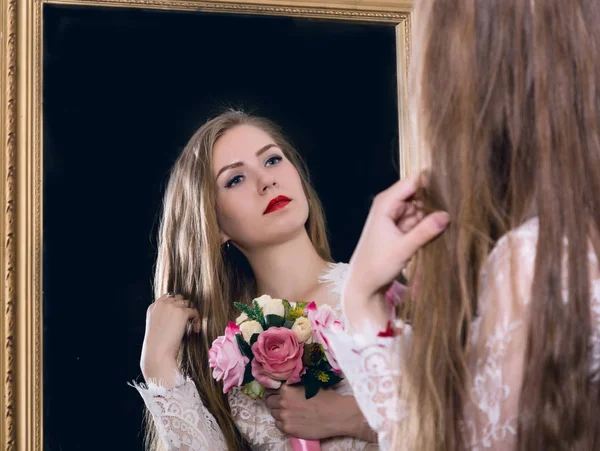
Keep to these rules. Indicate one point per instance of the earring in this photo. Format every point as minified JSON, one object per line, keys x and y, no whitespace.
{"x":226,"y":246}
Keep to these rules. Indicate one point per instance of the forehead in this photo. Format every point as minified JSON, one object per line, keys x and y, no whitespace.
{"x":239,"y":144}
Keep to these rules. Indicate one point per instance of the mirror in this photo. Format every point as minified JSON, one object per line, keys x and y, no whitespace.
{"x":112,"y":94}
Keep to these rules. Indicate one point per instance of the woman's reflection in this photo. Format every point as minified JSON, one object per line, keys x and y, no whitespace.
{"x":240,"y":219}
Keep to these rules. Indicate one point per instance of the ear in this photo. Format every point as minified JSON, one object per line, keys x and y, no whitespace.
{"x":224,"y":237}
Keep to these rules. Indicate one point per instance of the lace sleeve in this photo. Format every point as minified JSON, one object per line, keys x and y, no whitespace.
{"x":497,"y":348}
{"x":495,"y":352}
{"x":181,"y":420}
{"x":373,"y":361}
{"x":371,"y":364}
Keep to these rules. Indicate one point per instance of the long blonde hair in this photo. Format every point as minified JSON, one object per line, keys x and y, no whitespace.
{"x":192,"y":261}
{"x":508,"y":101}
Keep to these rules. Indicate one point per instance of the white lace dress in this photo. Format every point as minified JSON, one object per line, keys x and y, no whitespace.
{"x":184,"y":424}
{"x":372,"y":363}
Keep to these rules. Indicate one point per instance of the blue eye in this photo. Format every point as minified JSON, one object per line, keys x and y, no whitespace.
{"x":273,"y":160}
{"x":234,"y":181}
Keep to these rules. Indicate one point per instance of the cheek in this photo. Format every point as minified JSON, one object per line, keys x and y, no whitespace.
{"x":294,"y":178}
{"x":299,"y":189}
{"x":233,"y":210}
{"x":226,"y":210}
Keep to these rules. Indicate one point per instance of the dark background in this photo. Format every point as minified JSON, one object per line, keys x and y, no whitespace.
{"x":123,"y":91}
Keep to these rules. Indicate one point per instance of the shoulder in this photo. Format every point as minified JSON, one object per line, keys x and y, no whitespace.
{"x":517,"y":248}
{"x":521,"y":241}
{"x":508,"y":273}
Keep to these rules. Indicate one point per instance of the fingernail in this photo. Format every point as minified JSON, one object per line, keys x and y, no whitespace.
{"x":441,"y":220}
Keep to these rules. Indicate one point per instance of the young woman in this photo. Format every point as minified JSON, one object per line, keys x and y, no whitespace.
{"x":503,"y":350}
{"x":240,"y":219}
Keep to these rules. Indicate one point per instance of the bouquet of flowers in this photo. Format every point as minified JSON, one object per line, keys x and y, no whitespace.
{"x":273,"y":342}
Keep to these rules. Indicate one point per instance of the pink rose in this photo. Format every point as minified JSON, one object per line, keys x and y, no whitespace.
{"x":277,"y":358}
{"x":321,"y":319}
{"x":226,"y":359}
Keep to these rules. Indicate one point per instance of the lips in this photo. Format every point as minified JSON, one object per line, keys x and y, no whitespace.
{"x":277,"y":204}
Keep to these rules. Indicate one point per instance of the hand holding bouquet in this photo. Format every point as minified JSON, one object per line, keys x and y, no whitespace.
{"x":273,"y":342}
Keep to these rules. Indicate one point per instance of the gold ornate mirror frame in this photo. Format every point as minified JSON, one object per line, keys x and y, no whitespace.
{"x":21,"y":22}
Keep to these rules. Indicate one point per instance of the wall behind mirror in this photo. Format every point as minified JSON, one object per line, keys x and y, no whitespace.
{"x":123,"y":90}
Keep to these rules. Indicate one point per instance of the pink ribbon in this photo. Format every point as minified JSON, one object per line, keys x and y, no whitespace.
{"x":299,"y":444}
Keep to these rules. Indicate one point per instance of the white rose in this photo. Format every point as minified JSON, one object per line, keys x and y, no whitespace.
{"x":240,"y":319}
{"x":263,"y":300}
{"x":303,"y":330}
{"x":274,"y":307}
{"x":250,"y":328}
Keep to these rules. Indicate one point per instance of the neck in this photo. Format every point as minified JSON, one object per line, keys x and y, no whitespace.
{"x":287,"y":270}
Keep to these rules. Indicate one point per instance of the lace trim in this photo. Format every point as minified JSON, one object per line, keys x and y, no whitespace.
{"x":371,"y":364}
{"x":335,"y":276}
{"x":180,"y":418}
{"x":255,"y":421}
{"x":489,"y":391}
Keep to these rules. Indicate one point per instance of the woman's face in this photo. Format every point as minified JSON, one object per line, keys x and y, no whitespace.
{"x":260,"y":199}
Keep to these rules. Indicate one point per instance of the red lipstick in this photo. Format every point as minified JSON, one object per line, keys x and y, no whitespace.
{"x":277,"y":204}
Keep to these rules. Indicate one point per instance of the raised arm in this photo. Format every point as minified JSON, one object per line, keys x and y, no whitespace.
{"x":182,"y":422}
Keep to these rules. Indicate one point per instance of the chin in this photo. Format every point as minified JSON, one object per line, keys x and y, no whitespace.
{"x":284,"y":229}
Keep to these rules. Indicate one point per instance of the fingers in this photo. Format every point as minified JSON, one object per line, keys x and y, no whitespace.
{"x":194,"y":317}
{"x":179,"y":300}
{"x":169,"y":297}
{"x":393,"y":202}
{"x":402,"y":189}
{"x":407,"y":224}
{"x":273,"y":401}
{"x":423,"y":232}
{"x":192,"y":313}
{"x":176,"y":299}
{"x":276,"y":414}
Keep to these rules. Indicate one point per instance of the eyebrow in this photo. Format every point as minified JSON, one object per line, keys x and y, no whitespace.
{"x":239,"y":163}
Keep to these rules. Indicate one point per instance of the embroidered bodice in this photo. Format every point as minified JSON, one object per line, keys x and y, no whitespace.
{"x":372,"y":363}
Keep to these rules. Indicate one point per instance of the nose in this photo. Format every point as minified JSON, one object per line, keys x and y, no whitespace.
{"x":265,"y":182}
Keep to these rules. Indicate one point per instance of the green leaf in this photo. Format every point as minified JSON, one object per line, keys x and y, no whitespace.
{"x":244,"y":347}
{"x":333,"y":379}
{"x":248,"y":377}
{"x":258,"y":314}
{"x":313,"y":355}
{"x":287,"y":306}
{"x":288,"y":324}
{"x":311,"y":387}
{"x":254,"y":313}
{"x":274,"y":321}
{"x":256,"y":306}
{"x":324,"y":364}
{"x":253,"y":339}
{"x":244,"y":309}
